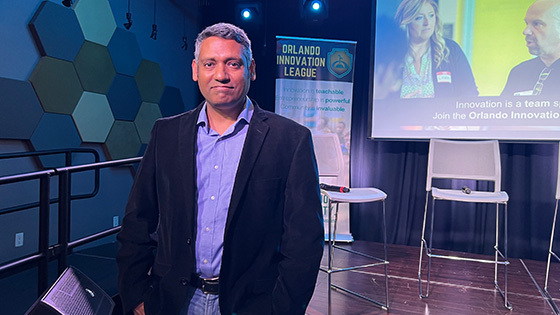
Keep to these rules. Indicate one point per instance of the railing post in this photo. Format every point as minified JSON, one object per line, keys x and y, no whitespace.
{"x":44,"y":210}
{"x":63,"y":219}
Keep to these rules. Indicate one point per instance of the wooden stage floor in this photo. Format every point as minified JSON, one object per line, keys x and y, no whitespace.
{"x":456,"y":287}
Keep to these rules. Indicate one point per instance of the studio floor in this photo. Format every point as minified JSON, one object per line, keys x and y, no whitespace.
{"x":457,"y":287}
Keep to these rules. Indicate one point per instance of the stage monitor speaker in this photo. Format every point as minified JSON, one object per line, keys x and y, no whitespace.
{"x":73,"y":293}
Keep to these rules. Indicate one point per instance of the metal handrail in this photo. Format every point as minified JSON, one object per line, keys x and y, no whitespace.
{"x":64,"y":205}
{"x":68,"y":161}
{"x":64,"y":246}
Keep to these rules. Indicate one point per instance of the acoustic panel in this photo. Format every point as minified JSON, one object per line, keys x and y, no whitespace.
{"x":94,"y":67}
{"x":125,"y":52}
{"x":96,"y":19}
{"x":57,"y":85}
{"x":123,"y":140}
{"x":124,"y":98}
{"x":171,"y":102}
{"x":150,"y":81}
{"x":93,"y":117}
{"x":20,"y":109}
{"x":55,"y":131}
{"x":147,"y":116}
{"x":56,"y":31}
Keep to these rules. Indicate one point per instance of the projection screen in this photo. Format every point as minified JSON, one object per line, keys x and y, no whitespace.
{"x":494,"y":83}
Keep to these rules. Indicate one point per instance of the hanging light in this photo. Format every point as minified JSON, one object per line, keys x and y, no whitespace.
{"x":248,"y":13}
{"x":185,"y":44}
{"x":314,"y":9}
{"x":128,"y":24}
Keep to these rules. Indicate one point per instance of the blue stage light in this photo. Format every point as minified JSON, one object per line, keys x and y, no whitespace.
{"x":246,"y":13}
{"x":316,"y":5}
{"x":314,"y":10}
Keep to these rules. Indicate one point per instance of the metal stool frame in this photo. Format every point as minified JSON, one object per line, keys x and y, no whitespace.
{"x":424,"y":246}
{"x":330,"y":270}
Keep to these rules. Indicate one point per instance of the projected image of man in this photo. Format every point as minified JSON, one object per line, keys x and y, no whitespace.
{"x":434,"y":66}
{"x":539,"y":76}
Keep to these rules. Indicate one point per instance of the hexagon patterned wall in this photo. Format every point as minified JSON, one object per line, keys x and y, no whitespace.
{"x":92,"y":85}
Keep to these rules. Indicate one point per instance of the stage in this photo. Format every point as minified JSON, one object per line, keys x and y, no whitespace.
{"x":456,"y":287}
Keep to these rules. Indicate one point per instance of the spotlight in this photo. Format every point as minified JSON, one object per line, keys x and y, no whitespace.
{"x":128,"y":24}
{"x":154,"y":32}
{"x":248,"y":13}
{"x":67,"y":3}
{"x":314,"y":9}
{"x":316,"y":5}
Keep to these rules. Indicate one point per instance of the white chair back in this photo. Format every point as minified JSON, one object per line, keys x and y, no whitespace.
{"x":330,"y":160}
{"x":476,"y":160}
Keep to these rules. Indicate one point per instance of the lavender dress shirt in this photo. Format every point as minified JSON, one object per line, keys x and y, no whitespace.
{"x":217,"y":159}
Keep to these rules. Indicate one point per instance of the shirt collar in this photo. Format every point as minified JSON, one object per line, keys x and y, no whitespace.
{"x":245,"y":115}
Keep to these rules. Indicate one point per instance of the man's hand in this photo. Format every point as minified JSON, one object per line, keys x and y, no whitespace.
{"x":139,"y":310}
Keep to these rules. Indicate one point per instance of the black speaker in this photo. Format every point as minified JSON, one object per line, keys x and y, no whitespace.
{"x":73,"y":293}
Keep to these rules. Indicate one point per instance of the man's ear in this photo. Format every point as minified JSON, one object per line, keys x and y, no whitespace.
{"x":253,"y":70}
{"x":194,"y":67}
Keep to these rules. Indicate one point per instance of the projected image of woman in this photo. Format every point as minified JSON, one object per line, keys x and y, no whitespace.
{"x":434,"y":66}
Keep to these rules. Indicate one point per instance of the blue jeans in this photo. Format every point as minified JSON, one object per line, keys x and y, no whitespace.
{"x":198,"y":303}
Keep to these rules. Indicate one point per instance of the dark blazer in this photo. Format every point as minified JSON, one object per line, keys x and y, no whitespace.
{"x":462,"y":79}
{"x":273,"y":241}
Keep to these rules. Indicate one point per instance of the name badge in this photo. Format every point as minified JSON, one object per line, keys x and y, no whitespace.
{"x":443,"y":77}
{"x":523,"y":93}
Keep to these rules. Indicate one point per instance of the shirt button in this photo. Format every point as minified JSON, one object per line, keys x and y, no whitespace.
{"x":188,"y":241}
{"x":216,"y":167}
{"x":207,"y":229}
{"x":213,"y":197}
{"x":205,"y":261}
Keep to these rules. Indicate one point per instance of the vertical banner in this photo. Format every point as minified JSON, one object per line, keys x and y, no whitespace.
{"x":314,"y":87}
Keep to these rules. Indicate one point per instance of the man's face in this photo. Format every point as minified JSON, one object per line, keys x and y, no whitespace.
{"x":542,"y":32}
{"x":222,"y":74}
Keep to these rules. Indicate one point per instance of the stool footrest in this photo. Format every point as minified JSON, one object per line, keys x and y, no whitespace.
{"x":383,"y":306}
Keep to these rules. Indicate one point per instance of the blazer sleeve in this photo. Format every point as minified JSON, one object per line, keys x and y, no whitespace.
{"x":465,"y":84}
{"x":135,"y":256}
{"x":303,"y":237}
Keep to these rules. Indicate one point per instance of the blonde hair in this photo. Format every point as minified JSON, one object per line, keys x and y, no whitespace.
{"x":408,"y":10}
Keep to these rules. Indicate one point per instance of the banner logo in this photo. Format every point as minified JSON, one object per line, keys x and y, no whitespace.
{"x":339,"y":62}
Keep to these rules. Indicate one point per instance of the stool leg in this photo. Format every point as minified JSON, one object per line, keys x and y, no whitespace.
{"x":430,"y":246}
{"x":550,"y":247}
{"x":422,"y":244}
{"x":330,"y":249}
{"x":385,"y":257}
{"x":496,"y":246}
{"x":506,"y":301}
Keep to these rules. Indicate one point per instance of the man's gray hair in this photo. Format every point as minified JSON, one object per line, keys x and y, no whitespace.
{"x":225,"y":31}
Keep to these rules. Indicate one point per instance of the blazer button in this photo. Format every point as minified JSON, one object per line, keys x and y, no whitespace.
{"x":184,"y":281}
{"x":188,"y":241}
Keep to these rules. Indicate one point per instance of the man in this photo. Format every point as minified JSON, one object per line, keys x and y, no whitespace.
{"x":231,"y":193}
{"x":541,"y":75}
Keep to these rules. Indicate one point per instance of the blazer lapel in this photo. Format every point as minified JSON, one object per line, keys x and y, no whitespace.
{"x":187,"y":175}
{"x":256,"y":134}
